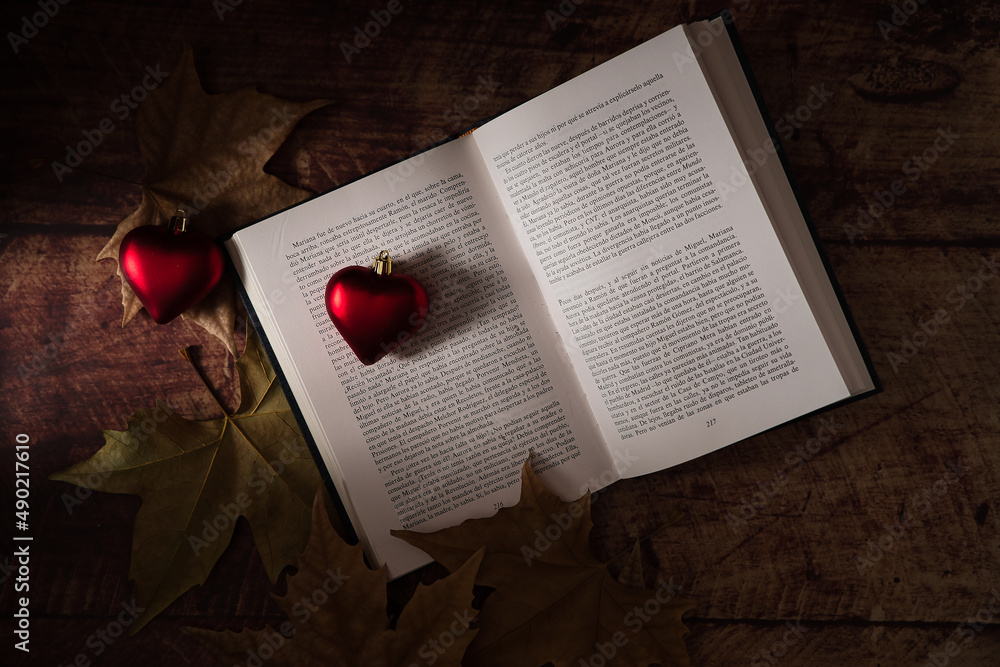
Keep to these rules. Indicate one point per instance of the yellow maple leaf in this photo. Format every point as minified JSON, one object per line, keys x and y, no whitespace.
{"x":554,"y":601}
{"x":336,"y":610}
{"x":205,"y":154}
{"x":196,"y":478}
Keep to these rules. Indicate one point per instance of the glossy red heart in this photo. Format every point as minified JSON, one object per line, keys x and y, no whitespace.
{"x":169,"y":272}
{"x":375,"y":313}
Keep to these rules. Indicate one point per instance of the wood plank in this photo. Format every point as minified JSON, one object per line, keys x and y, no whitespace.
{"x":103,"y":639}
{"x":845,"y":154}
{"x":164,"y":643}
{"x":67,"y":351}
{"x":936,"y":410}
{"x":876,"y":645}
{"x":793,"y":555}
{"x":69,"y":371}
{"x":852,"y":148}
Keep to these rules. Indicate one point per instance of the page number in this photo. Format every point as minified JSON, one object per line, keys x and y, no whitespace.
{"x":498,"y":505}
{"x":710,"y":422}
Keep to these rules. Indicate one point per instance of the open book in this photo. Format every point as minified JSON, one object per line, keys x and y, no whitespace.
{"x":611,"y":287}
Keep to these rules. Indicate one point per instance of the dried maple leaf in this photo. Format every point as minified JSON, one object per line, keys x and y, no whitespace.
{"x":196,"y":478}
{"x":206,"y":153}
{"x":553,"y":600}
{"x":336,"y":608}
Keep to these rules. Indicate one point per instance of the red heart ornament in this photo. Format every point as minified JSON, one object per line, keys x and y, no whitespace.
{"x":374,"y":309}
{"x":170,"y":269}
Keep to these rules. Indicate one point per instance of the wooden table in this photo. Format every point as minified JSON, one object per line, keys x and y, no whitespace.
{"x":820,"y":553}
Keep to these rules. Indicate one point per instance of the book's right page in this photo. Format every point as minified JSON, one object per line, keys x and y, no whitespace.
{"x":741,"y":106}
{"x":663,"y":274}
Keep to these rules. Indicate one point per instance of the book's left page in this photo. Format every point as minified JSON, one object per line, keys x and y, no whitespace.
{"x":437,"y":431}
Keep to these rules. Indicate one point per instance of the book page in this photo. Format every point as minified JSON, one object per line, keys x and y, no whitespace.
{"x":437,"y":431}
{"x":740,"y":109}
{"x":627,"y":189}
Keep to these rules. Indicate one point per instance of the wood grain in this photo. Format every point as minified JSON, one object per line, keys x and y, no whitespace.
{"x":763,"y":542}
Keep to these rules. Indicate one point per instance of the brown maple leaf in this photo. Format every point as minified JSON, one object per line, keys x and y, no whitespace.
{"x":205,"y":154}
{"x":336,"y":610}
{"x":553,"y":600}
{"x":196,"y":478}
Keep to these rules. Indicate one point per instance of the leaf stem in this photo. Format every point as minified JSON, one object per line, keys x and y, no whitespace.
{"x":185,"y":352}
{"x":114,"y":178}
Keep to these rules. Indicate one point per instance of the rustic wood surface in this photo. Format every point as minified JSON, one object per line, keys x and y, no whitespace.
{"x":763,"y":544}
